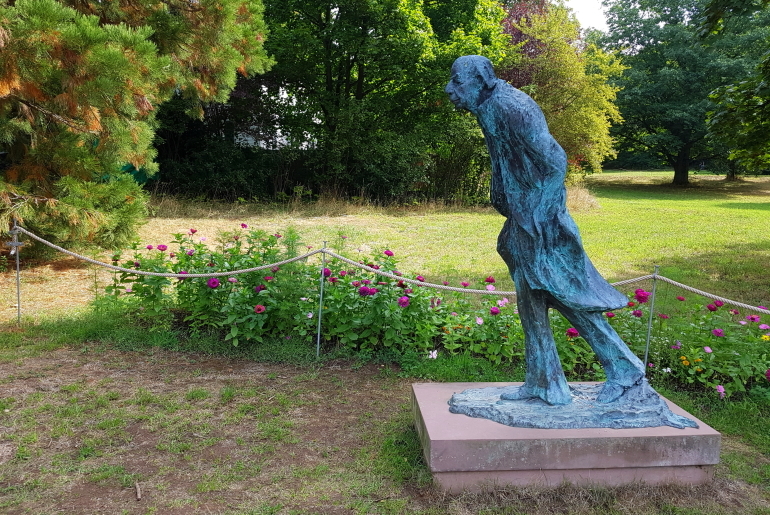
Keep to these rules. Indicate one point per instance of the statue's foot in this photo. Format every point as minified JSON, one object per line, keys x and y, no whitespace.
{"x":553,"y":395}
{"x":612,"y":391}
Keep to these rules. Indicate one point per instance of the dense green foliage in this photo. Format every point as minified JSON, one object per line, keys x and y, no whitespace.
{"x":671,"y":74}
{"x":80,"y":85}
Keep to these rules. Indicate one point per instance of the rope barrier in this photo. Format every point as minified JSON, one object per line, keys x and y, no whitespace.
{"x":17,"y":229}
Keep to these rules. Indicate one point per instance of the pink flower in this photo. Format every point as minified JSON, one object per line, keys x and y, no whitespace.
{"x":445,"y":283}
{"x":637,"y":313}
{"x":333,"y":280}
{"x":212,"y":283}
{"x":711,"y":307}
{"x":489,"y":280}
{"x":753,"y":318}
{"x":193,"y":231}
{"x":718,"y":332}
{"x":735,"y":312}
{"x":275,"y":269}
{"x":344,"y":237}
{"x":677,"y":346}
{"x":707,"y":350}
{"x":172,"y":255}
{"x":232,"y":280}
{"x":767,"y":374}
{"x":719,"y":303}
{"x":609,"y":314}
{"x":408,"y":290}
{"x":260,"y":288}
{"x":420,"y":278}
{"x":479,"y":320}
{"x":490,"y":287}
{"x":465,"y":284}
{"x":679,"y":297}
{"x":502,"y":302}
{"x":651,"y":365}
{"x":494,"y":310}
{"x":190,"y":252}
{"x":343,"y":273}
{"x":244,"y":226}
{"x":327,"y":272}
{"x":572,"y":333}
{"x":149,"y":247}
{"x":388,"y":253}
{"x":366,"y":281}
{"x":162,"y":248}
{"x":664,"y":317}
{"x":764,"y":326}
{"x":403,"y":301}
{"x":259,"y":308}
{"x":631,"y":304}
{"x":721,"y":390}
{"x":268,"y":278}
{"x":742,"y":322}
{"x":355,"y":284}
{"x":642,"y":296}
{"x":278,"y":235}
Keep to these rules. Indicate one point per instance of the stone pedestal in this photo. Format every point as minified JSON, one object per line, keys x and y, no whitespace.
{"x":465,"y":453}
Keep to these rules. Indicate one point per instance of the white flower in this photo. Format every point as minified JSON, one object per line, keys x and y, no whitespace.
{"x":310,"y":315}
{"x":433,"y":354}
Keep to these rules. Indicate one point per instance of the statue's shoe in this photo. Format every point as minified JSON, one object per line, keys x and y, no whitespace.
{"x":553,"y":396}
{"x":612,"y":391}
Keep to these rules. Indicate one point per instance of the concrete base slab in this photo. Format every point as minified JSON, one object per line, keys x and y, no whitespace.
{"x":465,"y":453}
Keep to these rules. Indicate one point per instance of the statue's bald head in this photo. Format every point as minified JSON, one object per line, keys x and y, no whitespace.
{"x":472,"y":78}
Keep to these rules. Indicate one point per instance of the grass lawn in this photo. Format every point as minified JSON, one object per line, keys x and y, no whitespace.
{"x":96,"y":412}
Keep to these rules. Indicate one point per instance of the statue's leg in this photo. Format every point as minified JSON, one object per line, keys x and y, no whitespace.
{"x":544,"y":376}
{"x":622,"y":367}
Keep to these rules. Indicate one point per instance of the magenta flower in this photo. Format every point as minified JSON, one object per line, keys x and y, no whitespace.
{"x":403,"y":301}
{"x":343,"y":273}
{"x":212,"y":283}
{"x":642,"y":296}
{"x":327,"y":272}
{"x":149,"y":247}
{"x":162,"y":248}
{"x":489,"y":280}
{"x":278,"y":235}
{"x":355,"y":284}
{"x":718,"y":332}
{"x":396,"y":272}
{"x":719,"y":303}
{"x":637,"y":313}
{"x":268,"y":278}
{"x":244,"y":226}
{"x":344,"y":237}
{"x":465,"y":284}
{"x":364,"y":291}
{"x":753,"y":318}
{"x":677,"y":346}
{"x":190,"y":252}
{"x":388,"y":253}
{"x":707,"y":350}
{"x":275,"y":269}
{"x":572,"y":333}
{"x":494,"y":310}
{"x":333,"y":280}
{"x":664,"y":317}
{"x":445,"y":283}
{"x":420,"y":278}
{"x":259,"y":308}
{"x":767,"y":374}
{"x":408,"y":290}
{"x":502,"y":302}
{"x":735,"y":312}
{"x":172,"y":255}
{"x":764,"y":326}
{"x":232,"y":280}
{"x":721,"y":390}
{"x":609,"y":314}
{"x":193,"y":231}
{"x":182,"y":272}
{"x":260,"y":288}
{"x":711,"y":307}
{"x":366,"y":281}
{"x":631,"y":304}
{"x":651,"y":365}
{"x":679,"y":297}
{"x":137,"y":264}
{"x":376,"y":267}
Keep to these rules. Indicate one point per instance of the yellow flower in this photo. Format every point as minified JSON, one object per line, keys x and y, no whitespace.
{"x":698,"y":360}
{"x":766,"y":337}
{"x":683,"y":357}
{"x":698,"y":369}
{"x":686,"y":363}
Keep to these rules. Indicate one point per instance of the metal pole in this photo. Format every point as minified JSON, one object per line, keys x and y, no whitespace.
{"x":320,"y":305}
{"x":649,"y":320}
{"x":15,"y":245}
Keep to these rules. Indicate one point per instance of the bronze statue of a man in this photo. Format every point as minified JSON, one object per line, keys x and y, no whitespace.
{"x":540,"y":242}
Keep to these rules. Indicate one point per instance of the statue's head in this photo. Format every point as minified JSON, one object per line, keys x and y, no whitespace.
{"x":472,"y":78}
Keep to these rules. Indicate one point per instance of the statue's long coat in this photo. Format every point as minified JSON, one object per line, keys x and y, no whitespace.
{"x":539,"y":242}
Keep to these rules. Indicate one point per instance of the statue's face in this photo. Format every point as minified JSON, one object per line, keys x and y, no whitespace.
{"x":465,"y":86}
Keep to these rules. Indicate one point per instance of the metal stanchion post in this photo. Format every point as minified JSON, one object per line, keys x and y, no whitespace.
{"x":652,"y":314}
{"x":15,"y":245}
{"x":320,"y":305}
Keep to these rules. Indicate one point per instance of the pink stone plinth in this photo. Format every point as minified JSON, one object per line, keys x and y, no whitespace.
{"x":465,"y":453}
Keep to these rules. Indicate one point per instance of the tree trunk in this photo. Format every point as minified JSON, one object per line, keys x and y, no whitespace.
{"x":682,"y":168}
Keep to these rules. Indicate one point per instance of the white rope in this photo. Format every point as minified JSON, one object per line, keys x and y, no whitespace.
{"x":372,"y":270}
